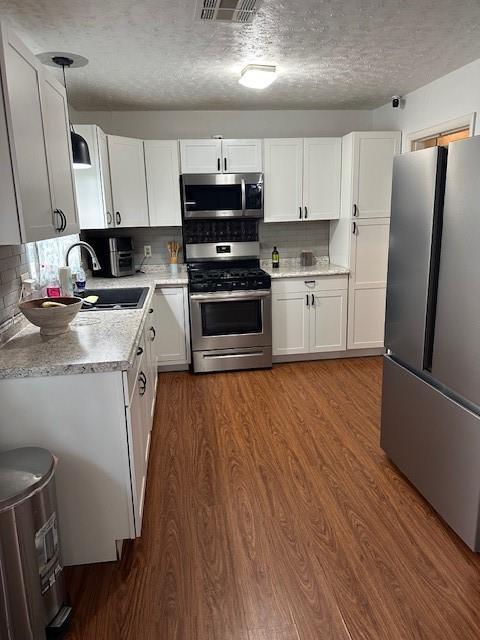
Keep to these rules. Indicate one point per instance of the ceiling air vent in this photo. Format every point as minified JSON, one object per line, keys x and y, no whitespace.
{"x":239,"y":11}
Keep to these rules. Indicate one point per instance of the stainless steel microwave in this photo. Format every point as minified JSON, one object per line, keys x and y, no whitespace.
{"x":222,"y":195}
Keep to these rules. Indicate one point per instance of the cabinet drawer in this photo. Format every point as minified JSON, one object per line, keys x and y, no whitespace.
{"x":309,"y":284}
{"x":132,"y":373}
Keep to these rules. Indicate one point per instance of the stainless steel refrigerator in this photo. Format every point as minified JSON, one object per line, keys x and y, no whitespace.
{"x":431,"y":383}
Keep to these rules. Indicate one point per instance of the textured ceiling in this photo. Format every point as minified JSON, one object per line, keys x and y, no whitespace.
{"x":152,"y":54}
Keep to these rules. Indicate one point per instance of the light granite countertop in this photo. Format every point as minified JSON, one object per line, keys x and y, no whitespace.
{"x":98,"y":341}
{"x":291,"y":268}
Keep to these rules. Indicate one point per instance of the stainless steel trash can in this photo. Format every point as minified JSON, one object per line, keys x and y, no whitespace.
{"x":32,"y":589}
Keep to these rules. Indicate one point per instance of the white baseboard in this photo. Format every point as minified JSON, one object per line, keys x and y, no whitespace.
{"x":331,"y":355}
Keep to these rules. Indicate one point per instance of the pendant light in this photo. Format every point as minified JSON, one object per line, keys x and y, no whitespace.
{"x":80,"y":152}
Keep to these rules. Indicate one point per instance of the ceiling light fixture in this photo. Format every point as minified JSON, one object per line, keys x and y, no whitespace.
{"x":80,"y":152}
{"x":258,"y":76}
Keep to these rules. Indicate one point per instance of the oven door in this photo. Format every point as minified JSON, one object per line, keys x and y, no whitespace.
{"x":231,"y":319}
{"x":224,"y":195}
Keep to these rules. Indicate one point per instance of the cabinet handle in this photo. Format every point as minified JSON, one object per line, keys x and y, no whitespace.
{"x":354,"y":228}
{"x":139,"y":351}
{"x":300,"y":212}
{"x":355,"y":211}
{"x":306,"y":213}
{"x":150,"y":310}
{"x":313,"y":299}
{"x":218,"y":164}
{"x":225,"y":164}
{"x":64,"y":226}
{"x":118,"y":217}
{"x":142,"y":380}
{"x":109,"y":218}
{"x":58,"y":217}
{"x":308,"y":300}
{"x":309,"y":281}
{"x":154,"y":333}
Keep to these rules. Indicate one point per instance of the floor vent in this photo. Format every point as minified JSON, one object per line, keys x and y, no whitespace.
{"x":239,"y":11}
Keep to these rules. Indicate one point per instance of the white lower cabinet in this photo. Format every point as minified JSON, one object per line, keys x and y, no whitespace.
{"x":290,"y":323}
{"x":172,"y":342}
{"x":309,"y":316}
{"x":328,"y":321}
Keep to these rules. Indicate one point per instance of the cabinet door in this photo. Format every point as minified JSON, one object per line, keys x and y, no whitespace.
{"x":170,"y":344}
{"x":328,"y":321}
{"x":242,"y":156}
{"x":9,"y":227}
{"x":137,"y":454}
{"x":322,"y":168}
{"x":91,"y":214}
{"x":21,"y":85}
{"x":283,"y":198}
{"x":163,"y":183}
{"x":152,"y":330}
{"x":368,"y":281}
{"x":372,"y":172}
{"x":201,"y":156}
{"x":105,"y":178}
{"x":290,"y":323}
{"x":59,"y":152}
{"x":129,"y":185}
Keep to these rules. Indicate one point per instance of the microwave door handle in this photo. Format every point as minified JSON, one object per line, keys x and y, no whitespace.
{"x":244,"y":197}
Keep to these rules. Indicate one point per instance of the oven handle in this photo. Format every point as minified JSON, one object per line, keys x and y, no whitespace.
{"x":237,"y":354}
{"x":231,"y":295}
{"x":244,"y":197}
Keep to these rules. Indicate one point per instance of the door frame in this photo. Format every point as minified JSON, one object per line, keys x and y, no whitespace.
{"x":462,"y":122}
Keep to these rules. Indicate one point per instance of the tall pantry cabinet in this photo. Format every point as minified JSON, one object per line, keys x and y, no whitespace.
{"x":359,"y":239}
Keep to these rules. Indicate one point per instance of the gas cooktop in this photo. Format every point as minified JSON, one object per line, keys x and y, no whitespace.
{"x":205,"y":277}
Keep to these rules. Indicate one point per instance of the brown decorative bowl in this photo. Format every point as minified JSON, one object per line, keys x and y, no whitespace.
{"x":52,"y":320}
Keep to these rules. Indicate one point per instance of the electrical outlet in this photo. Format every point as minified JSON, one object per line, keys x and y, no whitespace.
{"x":147,"y":251}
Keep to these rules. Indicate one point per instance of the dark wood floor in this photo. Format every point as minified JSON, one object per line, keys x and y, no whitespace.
{"x":272,"y":514}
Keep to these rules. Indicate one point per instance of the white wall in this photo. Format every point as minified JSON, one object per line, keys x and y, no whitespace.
{"x":454,"y":95}
{"x":229,"y":124}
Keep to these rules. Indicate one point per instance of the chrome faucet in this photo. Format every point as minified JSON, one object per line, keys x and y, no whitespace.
{"x":91,"y":251}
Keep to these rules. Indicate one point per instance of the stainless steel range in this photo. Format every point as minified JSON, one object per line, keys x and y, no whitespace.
{"x":230,"y":296}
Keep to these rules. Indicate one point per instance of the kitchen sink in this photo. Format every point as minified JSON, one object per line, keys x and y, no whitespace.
{"x":115,"y":298}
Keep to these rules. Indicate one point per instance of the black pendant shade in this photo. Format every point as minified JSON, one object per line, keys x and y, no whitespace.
{"x":80,"y":152}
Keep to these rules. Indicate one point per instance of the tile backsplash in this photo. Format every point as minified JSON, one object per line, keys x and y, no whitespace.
{"x":290,"y":238}
{"x":13,"y":263}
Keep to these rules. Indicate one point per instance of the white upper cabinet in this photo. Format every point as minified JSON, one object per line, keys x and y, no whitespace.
{"x":163,"y":183}
{"x":302,"y":179}
{"x":59,"y":152}
{"x":9,"y":223}
{"x":94,"y":192}
{"x":221,"y":156}
{"x":129,"y":187}
{"x":368,"y":169}
{"x":322,"y":168}
{"x":242,"y":156}
{"x":39,"y":149}
{"x":283,"y":179}
{"x":201,"y":156}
